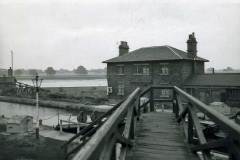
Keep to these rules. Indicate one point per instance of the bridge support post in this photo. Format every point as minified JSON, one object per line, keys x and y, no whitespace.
{"x":151,"y":101}
{"x":190,"y":129}
{"x":175,"y":104}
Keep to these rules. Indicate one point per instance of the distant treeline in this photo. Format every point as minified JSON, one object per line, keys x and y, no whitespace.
{"x":224,"y":70}
{"x":50,"y":71}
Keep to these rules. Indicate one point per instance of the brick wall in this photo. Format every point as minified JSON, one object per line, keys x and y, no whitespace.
{"x":179,"y":71}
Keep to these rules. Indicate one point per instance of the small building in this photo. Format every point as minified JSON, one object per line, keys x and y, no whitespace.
{"x":19,"y":124}
{"x":216,"y":87}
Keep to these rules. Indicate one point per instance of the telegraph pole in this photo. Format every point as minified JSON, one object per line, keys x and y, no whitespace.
{"x":37,"y":84}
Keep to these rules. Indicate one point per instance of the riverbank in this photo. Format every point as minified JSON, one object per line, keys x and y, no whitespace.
{"x":86,"y":99}
{"x":55,"y":104}
{"x":95,"y":95}
{"x":85,"y":95}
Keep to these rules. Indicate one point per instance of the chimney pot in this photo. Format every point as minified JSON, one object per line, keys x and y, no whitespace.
{"x":123,"y":48}
{"x":192,"y":45}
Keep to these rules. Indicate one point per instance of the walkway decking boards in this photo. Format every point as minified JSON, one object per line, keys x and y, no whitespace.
{"x":159,"y":137}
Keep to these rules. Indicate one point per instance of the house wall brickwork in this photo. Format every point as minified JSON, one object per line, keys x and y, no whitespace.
{"x":179,"y":71}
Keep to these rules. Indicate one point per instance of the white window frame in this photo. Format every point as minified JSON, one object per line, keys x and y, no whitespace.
{"x":122,"y":69}
{"x":109,"y":90}
{"x":144,"y":71}
{"x":165,"y":93}
{"x":164,"y":68}
{"x":120,"y":89}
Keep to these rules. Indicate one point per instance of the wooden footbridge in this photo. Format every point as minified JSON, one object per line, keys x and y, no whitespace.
{"x":133,"y":130}
{"x":18,"y":89}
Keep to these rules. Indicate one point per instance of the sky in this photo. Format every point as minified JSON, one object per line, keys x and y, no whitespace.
{"x":69,"y":33}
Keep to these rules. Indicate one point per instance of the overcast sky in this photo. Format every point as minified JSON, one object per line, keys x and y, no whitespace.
{"x":68,"y":33}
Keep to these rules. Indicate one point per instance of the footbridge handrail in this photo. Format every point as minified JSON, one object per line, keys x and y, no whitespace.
{"x":114,"y":137}
{"x":228,"y":125}
{"x":193,"y":129}
{"x":101,"y":144}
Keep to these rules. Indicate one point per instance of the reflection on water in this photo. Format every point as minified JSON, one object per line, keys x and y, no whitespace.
{"x":69,"y":82}
{"x":48,"y":115}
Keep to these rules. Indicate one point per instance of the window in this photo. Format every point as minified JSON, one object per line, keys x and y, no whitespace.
{"x":120,"y":69}
{"x":165,"y":93}
{"x":121,"y":89}
{"x":109,"y":90}
{"x":142,"y":69}
{"x":164,"y":69}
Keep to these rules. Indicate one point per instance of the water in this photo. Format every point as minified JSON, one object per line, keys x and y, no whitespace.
{"x":48,"y":115}
{"x":69,"y":82}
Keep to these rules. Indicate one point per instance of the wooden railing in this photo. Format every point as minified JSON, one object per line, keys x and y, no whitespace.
{"x":19,"y":89}
{"x":83,"y":136}
{"x":186,"y":105}
{"x":111,"y":135}
{"x":25,"y":90}
{"x":115,"y":133}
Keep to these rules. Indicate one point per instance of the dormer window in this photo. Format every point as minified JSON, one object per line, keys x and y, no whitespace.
{"x":120,"y":69}
{"x":141,"y":69}
{"x":164,"y":69}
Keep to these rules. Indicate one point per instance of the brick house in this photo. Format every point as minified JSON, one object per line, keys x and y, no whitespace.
{"x":166,"y":65}
{"x":157,"y":65}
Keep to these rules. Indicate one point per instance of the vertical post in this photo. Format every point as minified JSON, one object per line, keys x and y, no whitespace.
{"x":37,"y":115}
{"x":37,"y":84}
{"x":58,"y":116}
{"x":40,"y":122}
{"x":190,"y":128}
{"x":151,"y":100}
{"x":12,"y":62}
{"x":78,"y":128}
{"x":175,"y":104}
{"x":145,"y":108}
{"x":162,"y":107}
{"x":60,"y":126}
{"x":132,"y":128}
{"x":138,"y":108}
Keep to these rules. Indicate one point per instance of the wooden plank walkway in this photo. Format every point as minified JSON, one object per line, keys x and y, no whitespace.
{"x":159,"y":137}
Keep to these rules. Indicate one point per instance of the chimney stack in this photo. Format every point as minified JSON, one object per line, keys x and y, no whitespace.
{"x":123,"y":48}
{"x":192,"y":45}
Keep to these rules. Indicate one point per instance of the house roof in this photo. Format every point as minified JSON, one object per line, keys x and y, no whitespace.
{"x":155,"y":53}
{"x":217,"y":79}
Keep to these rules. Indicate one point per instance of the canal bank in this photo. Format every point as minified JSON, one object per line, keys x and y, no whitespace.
{"x":56,"y":104}
{"x":87,"y":95}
